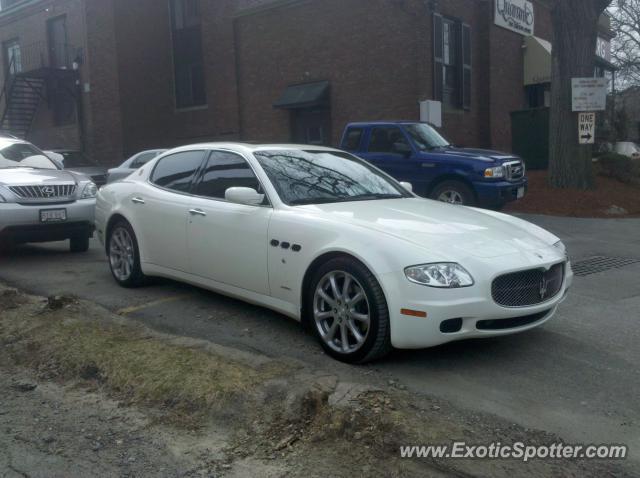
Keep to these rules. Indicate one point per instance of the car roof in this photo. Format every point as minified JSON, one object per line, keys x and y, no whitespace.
{"x":251,"y":148}
{"x":379,"y":122}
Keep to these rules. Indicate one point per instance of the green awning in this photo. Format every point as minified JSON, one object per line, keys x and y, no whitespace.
{"x":304,"y":95}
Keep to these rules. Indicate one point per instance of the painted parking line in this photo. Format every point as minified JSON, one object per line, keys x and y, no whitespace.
{"x":148,"y":305}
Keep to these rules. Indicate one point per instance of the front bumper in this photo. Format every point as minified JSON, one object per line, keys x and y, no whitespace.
{"x":500,"y":192}
{"x":21,"y":223}
{"x":470,"y":311}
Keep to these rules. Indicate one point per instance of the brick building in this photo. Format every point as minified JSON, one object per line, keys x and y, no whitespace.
{"x":118,"y":76}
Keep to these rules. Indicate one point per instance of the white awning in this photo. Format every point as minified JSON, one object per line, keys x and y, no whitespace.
{"x":537,"y":61}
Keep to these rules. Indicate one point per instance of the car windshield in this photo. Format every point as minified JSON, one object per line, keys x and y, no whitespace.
{"x":17,"y":155}
{"x":317,"y":177}
{"x":75,"y":159}
{"x":425,"y":137}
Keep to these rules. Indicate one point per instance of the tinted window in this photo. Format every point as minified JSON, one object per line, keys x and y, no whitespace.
{"x":177,"y":170}
{"x":352,"y":139}
{"x":14,"y":155}
{"x":223,"y":171}
{"x":387,"y":139}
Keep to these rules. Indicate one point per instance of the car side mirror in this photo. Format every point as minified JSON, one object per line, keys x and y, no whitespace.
{"x":407,"y":186}
{"x":247,"y":196}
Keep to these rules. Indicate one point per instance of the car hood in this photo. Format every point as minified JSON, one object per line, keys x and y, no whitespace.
{"x":29,"y":176}
{"x":456,"y":231}
{"x":485,"y":155}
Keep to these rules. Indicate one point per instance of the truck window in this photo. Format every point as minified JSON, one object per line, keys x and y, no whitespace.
{"x":352,"y":139}
{"x":388,"y":139}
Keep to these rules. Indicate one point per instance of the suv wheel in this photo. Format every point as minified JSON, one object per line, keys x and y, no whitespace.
{"x":348,"y":312}
{"x":79,"y":244}
{"x":454,"y":192}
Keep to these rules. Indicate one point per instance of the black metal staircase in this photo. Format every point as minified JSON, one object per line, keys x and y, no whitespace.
{"x":29,"y":78}
{"x":21,"y":104}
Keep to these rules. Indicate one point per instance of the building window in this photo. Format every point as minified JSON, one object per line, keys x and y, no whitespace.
{"x":12,"y":57}
{"x":452,"y":62}
{"x":190,"y":86}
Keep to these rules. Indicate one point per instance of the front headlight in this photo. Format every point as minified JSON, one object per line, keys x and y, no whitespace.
{"x":497,"y":172}
{"x":447,"y":275}
{"x":560,"y":245}
{"x":89,"y":191}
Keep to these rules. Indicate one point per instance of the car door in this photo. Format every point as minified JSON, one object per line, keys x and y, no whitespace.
{"x":389,"y":149}
{"x":161,"y":209}
{"x":228,"y":242}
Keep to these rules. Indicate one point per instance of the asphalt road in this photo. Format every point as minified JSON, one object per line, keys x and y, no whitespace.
{"x":577,"y":376}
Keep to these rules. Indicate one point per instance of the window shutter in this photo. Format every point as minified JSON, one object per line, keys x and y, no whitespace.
{"x":465,"y":80}
{"x":438,"y":56}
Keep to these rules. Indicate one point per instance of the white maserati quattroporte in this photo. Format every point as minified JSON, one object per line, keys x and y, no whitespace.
{"x":323,"y":237}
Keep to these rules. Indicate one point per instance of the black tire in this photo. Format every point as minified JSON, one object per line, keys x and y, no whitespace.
{"x":79,"y":244}
{"x":464,"y":191}
{"x":378,"y":340}
{"x":136,"y":277}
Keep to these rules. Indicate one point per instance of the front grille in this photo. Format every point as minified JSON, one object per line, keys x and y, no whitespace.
{"x":53,"y":191}
{"x":530,"y":287}
{"x":514,"y":170}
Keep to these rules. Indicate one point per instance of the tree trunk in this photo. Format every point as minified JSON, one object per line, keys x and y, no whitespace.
{"x":575,"y":32}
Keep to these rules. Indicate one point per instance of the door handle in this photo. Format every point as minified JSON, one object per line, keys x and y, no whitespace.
{"x":197,"y":212}
{"x":137,"y":200}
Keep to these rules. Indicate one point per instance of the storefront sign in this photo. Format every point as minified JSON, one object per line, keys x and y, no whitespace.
{"x":603,"y":49}
{"x":589,"y":94}
{"x":515,"y":15}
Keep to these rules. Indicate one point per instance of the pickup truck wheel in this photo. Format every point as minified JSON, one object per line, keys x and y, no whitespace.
{"x":454,"y":192}
{"x":79,"y":244}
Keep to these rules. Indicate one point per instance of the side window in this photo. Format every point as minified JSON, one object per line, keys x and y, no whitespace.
{"x":388,"y":139}
{"x":225,"y":170}
{"x":352,"y":139}
{"x":142,"y":159}
{"x":177,"y":170}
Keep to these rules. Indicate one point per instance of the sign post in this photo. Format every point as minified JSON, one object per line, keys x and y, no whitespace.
{"x":586,"y":128}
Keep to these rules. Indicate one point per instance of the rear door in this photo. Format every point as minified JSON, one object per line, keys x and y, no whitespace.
{"x":161,"y":209}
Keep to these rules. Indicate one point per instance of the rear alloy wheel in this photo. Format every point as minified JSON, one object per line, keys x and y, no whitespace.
{"x":349,"y":312}
{"x":454,"y":192}
{"x":124,"y":256}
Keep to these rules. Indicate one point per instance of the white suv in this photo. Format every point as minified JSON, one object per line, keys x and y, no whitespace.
{"x":39,"y":202}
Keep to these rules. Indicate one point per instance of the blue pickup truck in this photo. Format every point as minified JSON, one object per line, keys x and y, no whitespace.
{"x":417,"y":153}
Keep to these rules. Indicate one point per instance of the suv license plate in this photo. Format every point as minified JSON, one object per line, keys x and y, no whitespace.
{"x":53,"y":215}
{"x":520,"y":193}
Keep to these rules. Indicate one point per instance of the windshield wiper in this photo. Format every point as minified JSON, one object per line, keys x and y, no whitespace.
{"x":371,"y":197}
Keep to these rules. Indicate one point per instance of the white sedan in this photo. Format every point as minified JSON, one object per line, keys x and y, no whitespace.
{"x":325,"y":238}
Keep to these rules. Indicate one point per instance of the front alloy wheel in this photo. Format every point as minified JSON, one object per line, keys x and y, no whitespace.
{"x":346,"y":308}
{"x":341,"y":312}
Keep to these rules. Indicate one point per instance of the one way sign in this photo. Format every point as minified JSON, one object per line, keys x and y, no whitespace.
{"x":586,"y":128}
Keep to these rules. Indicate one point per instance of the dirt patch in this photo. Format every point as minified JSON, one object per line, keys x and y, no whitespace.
{"x":611,"y":198}
{"x":198,"y":409}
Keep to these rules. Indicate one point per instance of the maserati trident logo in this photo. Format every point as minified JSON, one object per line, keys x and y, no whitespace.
{"x":544,"y":285}
{"x":48,"y":191}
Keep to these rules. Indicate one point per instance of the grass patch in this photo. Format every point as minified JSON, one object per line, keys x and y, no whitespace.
{"x":85,"y":341}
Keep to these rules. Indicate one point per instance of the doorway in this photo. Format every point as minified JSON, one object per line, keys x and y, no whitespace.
{"x":311,"y":126}
{"x":58,"y":47}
